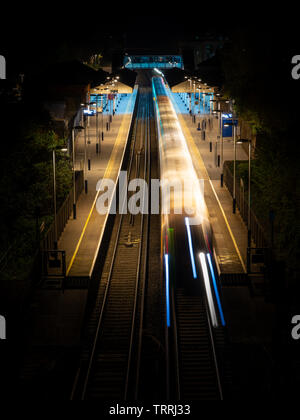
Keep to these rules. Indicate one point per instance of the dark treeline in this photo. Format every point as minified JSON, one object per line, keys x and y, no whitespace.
{"x":257,"y":69}
{"x":26,"y":184}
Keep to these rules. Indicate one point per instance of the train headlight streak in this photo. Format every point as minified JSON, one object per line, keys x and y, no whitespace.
{"x":191,"y":246}
{"x":175,"y":159}
{"x":208,"y":290}
{"x":167,"y":289}
{"x":216,"y":289}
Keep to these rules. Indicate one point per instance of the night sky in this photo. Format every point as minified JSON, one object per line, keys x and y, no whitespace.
{"x":29,"y":34}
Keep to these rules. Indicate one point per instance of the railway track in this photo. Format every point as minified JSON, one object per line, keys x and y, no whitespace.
{"x":114,"y":362}
{"x":112,"y":352}
{"x":192,"y":369}
{"x":198,"y":371}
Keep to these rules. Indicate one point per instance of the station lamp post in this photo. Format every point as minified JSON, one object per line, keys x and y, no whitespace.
{"x":108,"y":103}
{"x":116,"y":92}
{"x":218,"y":111}
{"x":97,"y":134}
{"x":205,"y":93}
{"x":102,"y":110}
{"x":204,"y":107}
{"x":190,"y":96}
{"x":186,"y":90}
{"x":194,"y":91}
{"x":218,"y":101}
{"x":210,"y":95}
{"x":199,"y":103}
{"x":94,"y":103}
{"x":77,"y":127}
{"x":101,"y":94}
{"x":199,"y":91}
{"x":98,"y":144}
{"x":228,"y":124}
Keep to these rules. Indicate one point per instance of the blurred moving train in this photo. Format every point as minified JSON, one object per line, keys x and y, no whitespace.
{"x":186,"y":232}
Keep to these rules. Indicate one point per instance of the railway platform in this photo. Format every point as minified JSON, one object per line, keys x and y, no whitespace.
{"x":230,"y":233}
{"x":82,"y":236}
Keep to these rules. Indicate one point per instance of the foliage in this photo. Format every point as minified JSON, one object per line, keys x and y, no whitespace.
{"x":256,"y":65}
{"x":26,"y":184}
{"x":273,"y":187}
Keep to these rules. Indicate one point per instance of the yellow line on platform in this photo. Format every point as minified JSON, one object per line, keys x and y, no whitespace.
{"x":229,"y":229}
{"x":196,"y":152}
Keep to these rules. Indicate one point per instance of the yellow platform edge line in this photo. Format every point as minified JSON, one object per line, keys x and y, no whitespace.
{"x":108,"y":169}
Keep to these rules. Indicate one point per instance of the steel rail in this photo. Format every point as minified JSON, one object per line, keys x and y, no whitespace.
{"x":140,"y":115}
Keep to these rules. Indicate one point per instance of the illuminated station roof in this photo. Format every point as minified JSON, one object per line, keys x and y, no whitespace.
{"x":121,"y":82}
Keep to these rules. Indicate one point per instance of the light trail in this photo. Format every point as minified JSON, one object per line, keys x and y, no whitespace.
{"x":209,"y":295}
{"x":191,"y":246}
{"x":216,"y":289}
{"x":167,"y":289}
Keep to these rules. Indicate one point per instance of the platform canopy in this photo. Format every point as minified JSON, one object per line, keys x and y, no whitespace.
{"x":181,"y":81}
{"x":122,"y":81}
